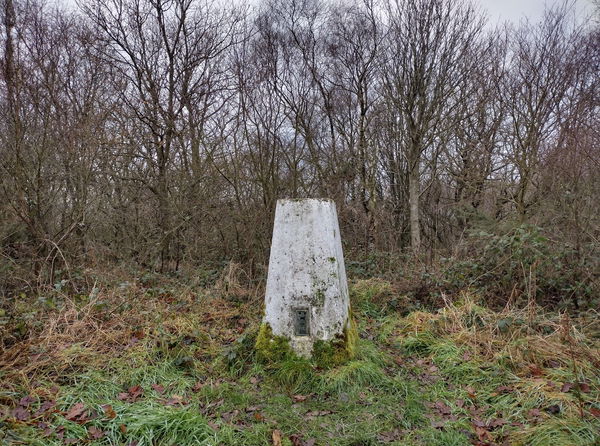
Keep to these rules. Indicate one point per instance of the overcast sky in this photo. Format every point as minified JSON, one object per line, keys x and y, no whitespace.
{"x":515,"y":10}
{"x":498,"y":10}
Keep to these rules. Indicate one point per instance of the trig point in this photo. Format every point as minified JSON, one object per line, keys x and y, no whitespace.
{"x":306,"y":304}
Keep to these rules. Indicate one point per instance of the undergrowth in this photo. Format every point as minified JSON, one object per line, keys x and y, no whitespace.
{"x":182,"y":370}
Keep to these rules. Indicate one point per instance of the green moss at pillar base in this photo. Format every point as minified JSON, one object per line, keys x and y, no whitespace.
{"x":271,"y":348}
{"x":325,"y":354}
{"x":338,"y":350}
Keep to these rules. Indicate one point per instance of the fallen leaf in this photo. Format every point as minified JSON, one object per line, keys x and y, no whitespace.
{"x":175,"y":400}
{"x":21,"y":414}
{"x":158,"y":388}
{"x":123,"y":428}
{"x":595,"y":412}
{"x":228,"y":416}
{"x":504,"y":389}
{"x":584,"y":387}
{"x":45,"y":407}
{"x":497,"y":422}
{"x":76,"y":413}
{"x":60,"y":431}
{"x":482,"y":433}
{"x":135,"y":392}
{"x":259,"y":416}
{"x":535,"y":371}
{"x":390,"y":436}
{"x":26,"y":401}
{"x":95,"y":433}
{"x":442,"y":408}
{"x":566,"y":387}
{"x":276,"y":436}
{"x":109,"y":411}
{"x":299,"y":398}
{"x":554,"y":409}
{"x":478,"y":423}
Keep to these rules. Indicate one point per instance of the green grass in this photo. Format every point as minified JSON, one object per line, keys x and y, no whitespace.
{"x":420,"y":380}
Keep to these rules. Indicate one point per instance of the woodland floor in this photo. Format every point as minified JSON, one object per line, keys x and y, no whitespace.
{"x":143,"y":363}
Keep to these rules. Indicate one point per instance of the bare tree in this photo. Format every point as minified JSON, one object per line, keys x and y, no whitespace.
{"x":427,"y":58}
{"x":168,"y":52}
{"x":534,"y":90}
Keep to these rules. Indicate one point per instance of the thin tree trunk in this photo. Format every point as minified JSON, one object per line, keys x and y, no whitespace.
{"x":413,"y":199}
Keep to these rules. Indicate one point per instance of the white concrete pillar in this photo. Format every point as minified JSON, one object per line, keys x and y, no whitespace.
{"x":307,"y":292}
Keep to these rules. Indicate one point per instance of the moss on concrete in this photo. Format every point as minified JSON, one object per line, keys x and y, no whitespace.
{"x":342,"y":348}
{"x":271,"y":348}
{"x":325,"y":354}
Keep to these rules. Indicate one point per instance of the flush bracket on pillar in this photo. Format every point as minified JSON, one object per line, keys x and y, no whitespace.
{"x":301,"y":322}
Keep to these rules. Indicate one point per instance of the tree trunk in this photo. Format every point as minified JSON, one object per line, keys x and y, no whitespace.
{"x":413,"y":200}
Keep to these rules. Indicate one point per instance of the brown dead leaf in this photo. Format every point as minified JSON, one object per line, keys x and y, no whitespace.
{"x":276,"y":437}
{"x":566,"y":387}
{"x":299,"y":398}
{"x":21,"y":414}
{"x":535,"y":371}
{"x":390,"y":436}
{"x":442,"y":408}
{"x":595,"y":412}
{"x":45,"y":407}
{"x":482,"y":433}
{"x":109,"y":412}
{"x":175,"y":400}
{"x":76,"y":413}
{"x":123,"y":429}
{"x":497,"y":422}
{"x":584,"y":387}
{"x":158,"y":388}
{"x":95,"y":433}
{"x":26,"y":401}
{"x":135,"y":392}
